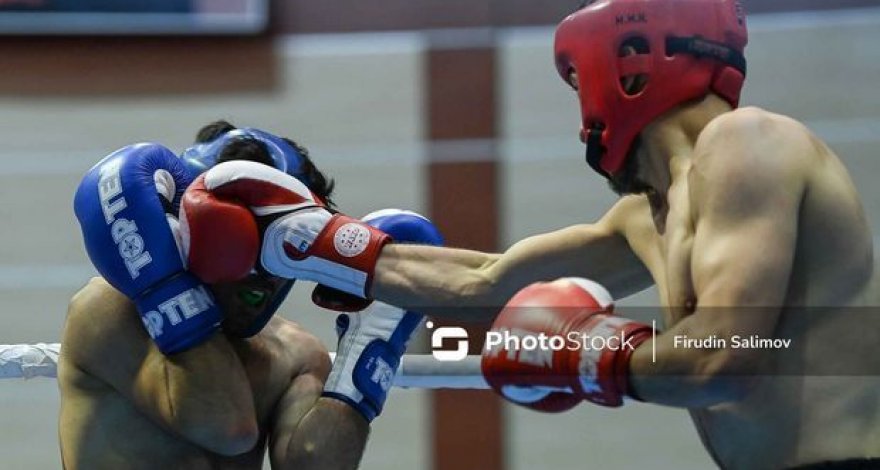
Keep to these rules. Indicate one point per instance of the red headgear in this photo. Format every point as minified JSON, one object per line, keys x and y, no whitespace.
{"x":680,"y":50}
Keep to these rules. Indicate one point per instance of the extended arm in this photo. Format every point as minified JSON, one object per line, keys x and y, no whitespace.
{"x":303,"y":240}
{"x":435,"y":280}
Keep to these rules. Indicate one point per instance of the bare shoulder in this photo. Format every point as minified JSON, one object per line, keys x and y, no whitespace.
{"x":758,"y":139}
{"x":96,"y":293}
{"x":98,"y":319}
{"x":97,"y":303}
{"x":629,"y":215}
{"x":304,"y":351}
{"x":751,"y":153}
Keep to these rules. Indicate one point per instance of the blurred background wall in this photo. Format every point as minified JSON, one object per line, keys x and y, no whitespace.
{"x":441,"y":107}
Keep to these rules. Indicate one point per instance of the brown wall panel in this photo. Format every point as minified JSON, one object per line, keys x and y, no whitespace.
{"x":462,"y":94}
{"x":529,"y":12}
{"x":135,"y":65}
{"x":465,"y":203}
{"x":467,"y":422}
{"x":319,"y":16}
{"x":463,"y":180}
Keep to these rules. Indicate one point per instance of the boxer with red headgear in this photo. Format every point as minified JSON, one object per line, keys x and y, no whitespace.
{"x":747,"y":223}
{"x":631,"y":62}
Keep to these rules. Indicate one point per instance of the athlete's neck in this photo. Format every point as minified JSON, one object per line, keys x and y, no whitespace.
{"x":669,"y":141}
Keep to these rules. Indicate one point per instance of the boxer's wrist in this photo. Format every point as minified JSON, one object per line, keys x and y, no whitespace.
{"x":603,"y":374}
{"x":404,"y":227}
{"x":178,"y":313}
{"x":624,"y":377}
{"x":342,"y":254}
{"x":641,"y":370}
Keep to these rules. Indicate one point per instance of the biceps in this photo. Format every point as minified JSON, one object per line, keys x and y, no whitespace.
{"x":127,"y":367}
{"x":105,"y":339}
{"x":588,"y":251}
{"x":746,"y":264}
{"x":138,"y":372}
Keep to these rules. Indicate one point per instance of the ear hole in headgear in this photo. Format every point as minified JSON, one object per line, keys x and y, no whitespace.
{"x":634,"y":56}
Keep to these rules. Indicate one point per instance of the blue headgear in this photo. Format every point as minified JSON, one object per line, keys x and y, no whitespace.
{"x":285,"y":157}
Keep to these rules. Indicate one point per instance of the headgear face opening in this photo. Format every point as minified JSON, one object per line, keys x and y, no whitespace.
{"x":675,"y":51}
{"x":200,"y":157}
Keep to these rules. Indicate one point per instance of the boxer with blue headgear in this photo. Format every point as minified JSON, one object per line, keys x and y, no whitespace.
{"x":154,"y":349}
{"x":221,"y":141}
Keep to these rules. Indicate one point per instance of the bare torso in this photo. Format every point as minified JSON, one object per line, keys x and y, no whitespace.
{"x":99,"y":428}
{"x":800,"y":412}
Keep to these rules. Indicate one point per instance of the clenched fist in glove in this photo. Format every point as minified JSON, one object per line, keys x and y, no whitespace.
{"x":256,"y":215}
{"x":125,"y":206}
{"x":581,"y":349}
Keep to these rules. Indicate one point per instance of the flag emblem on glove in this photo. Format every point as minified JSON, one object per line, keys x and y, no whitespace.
{"x":351,"y":240}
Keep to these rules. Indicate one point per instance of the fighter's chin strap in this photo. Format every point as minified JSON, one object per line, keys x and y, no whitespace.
{"x":595,"y":149}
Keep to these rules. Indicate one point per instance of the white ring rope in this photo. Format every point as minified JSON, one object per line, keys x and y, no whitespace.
{"x":28,"y":360}
{"x":415,"y":370}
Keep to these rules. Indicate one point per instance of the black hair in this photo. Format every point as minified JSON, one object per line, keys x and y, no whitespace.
{"x":213,"y":130}
{"x":245,"y":148}
{"x":251,"y":149}
{"x":319,"y":183}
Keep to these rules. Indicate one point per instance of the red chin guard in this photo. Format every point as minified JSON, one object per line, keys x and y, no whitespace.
{"x":676,"y":50}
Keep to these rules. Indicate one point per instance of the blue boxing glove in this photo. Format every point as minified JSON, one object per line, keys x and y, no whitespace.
{"x":372,"y":341}
{"x":126,"y":206}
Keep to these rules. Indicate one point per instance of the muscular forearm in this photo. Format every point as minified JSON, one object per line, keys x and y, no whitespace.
{"x":461,"y":284}
{"x":331,"y":435}
{"x":202,"y":394}
{"x":691,"y":377}
{"x":451,"y":283}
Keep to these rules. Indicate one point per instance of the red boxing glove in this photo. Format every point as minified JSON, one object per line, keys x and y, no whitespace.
{"x":558,"y":343}
{"x":301,"y":238}
{"x":220,"y":239}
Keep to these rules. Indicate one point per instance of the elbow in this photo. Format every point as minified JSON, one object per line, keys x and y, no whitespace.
{"x":486,"y":283}
{"x":481,"y":293}
{"x":225,"y":432}
{"x":236,"y":439}
{"x":232,"y":438}
{"x":478,"y":287}
{"x":728,"y":375}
